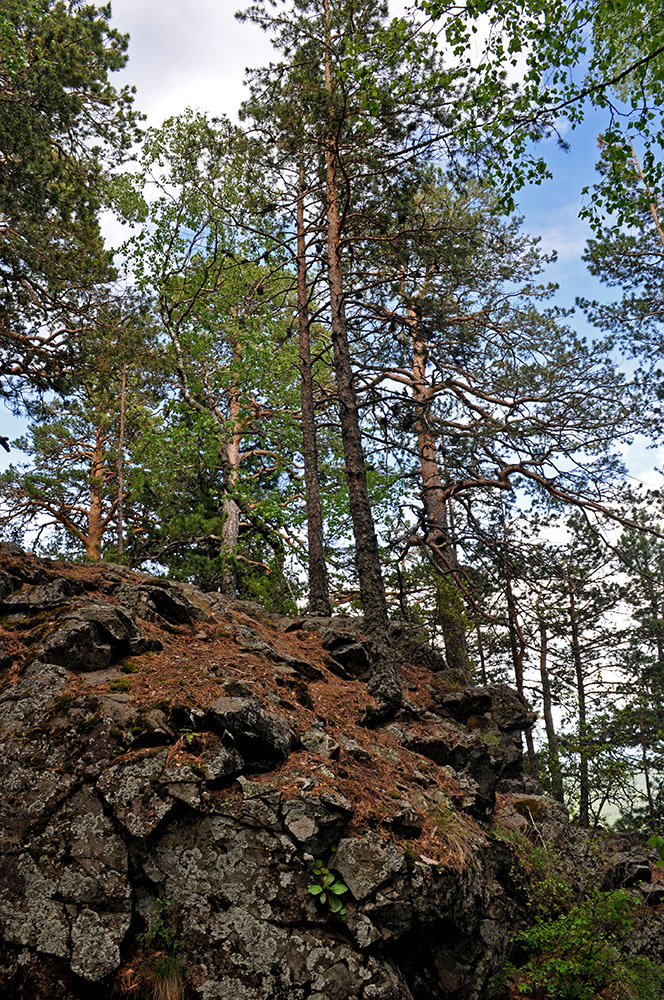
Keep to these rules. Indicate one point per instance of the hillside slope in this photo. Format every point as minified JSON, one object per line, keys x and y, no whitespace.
{"x":175,"y":765}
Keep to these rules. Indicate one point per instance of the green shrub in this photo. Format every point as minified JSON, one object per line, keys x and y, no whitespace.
{"x":579,"y":954}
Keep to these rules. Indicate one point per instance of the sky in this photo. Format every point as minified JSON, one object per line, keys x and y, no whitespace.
{"x":193,"y":53}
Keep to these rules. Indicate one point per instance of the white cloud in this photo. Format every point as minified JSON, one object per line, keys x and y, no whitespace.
{"x":187,"y":53}
{"x":561,"y":229}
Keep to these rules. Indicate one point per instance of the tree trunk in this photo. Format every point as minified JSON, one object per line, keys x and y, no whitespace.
{"x":120,"y":500}
{"x":437,"y":539}
{"x":547,"y":708}
{"x":518,"y":648}
{"x":319,"y":597}
{"x":385,"y":683}
{"x":95,"y":517}
{"x":584,"y":778}
{"x":230,"y":531}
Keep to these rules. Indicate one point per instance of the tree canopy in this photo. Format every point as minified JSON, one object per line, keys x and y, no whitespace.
{"x":325,"y":370}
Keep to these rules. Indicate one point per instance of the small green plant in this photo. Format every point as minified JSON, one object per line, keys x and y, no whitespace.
{"x":128,"y":668}
{"x":409,"y":856}
{"x":161,"y":969}
{"x":328,"y":889}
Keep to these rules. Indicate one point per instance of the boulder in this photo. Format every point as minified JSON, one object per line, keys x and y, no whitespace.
{"x":316,"y":822}
{"x":158,"y":602}
{"x":626,"y":870}
{"x":92,"y":637}
{"x":262,"y":739}
{"x":347,"y":654}
{"x":367,"y":863}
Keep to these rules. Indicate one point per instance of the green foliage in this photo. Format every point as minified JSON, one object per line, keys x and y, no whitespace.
{"x":61,"y":126}
{"x":657,"y":844}
{"x":161,"y":968}
{"x":160,"y":935}
{"x":570,"y":56}
{"x":328,"y":890}
{"x":578,"y":954}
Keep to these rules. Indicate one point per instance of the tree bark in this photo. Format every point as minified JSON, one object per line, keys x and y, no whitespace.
{"x":547,"y":708}
{"x":437,"y":533}
{"x":121,"y":434}
{"x":95,"y":515}
{"x":385,"y":683}
{"x":584,"y":777}
{"x":518,"y":648}
{"x":319,"y":596}
{"x":230,"y":531}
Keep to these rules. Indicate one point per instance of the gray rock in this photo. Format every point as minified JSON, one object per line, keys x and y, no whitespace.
{"x":366,"y":864}
{"x":135,"y":789}
{"x":222,"y":763}
{"x":6,"y":585}
{"x":22,"y":703}
{"x":262,"y":739}
{"x":6,"y":659}
{"x":53,"y":594}
{"x":92,"y":638}
{"x":96,"y":938}
{"x":653,"y":894}
{"x":626,"y":870}
{"x":346,"y":653}
{"x":355,"y":750}
{"x":316,"y":822}
{"x":251,"y":641}
{"x":405,"y":823}
{"x":484,"y":757}
{"x":318,"y":742}
{"x":161,"y":601}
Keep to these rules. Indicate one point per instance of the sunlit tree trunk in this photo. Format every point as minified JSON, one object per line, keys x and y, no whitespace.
{"x":121,"y":434}
{"x":95,"y":513}
{"x":230,"y":531}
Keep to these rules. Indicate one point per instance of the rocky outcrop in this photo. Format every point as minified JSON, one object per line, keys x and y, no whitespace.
{"x":174,"y":766}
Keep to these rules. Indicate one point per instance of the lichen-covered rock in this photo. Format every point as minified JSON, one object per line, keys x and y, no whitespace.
{"x":136,"y":790}
{"x":69,"y":895}
{"x":527,"y":813}
{"x":316,"y":822}
{"x":40,"y":685}
{"x":483,"y":757}
{"x":317,"y":741}
{"x":95,"y":941}
{"x":625,"y":870}
{"x":92,"y":637}
{"x":367,"y":863}
{"x":43,"y":597}
{"x":118,"y":809}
